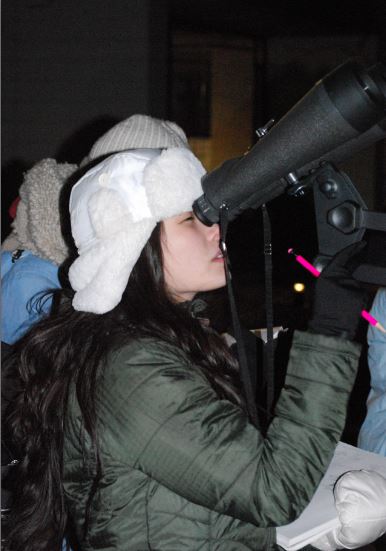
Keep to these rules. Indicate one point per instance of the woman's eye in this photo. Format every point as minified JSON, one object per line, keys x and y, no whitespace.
{"x":188,"y":218}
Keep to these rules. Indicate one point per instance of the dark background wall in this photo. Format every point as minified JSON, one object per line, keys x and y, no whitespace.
{"x":71,"y":69}
{"x":67,"y":65}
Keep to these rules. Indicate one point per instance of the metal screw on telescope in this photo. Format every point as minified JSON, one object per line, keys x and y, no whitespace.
{"x":296,"y":187}
{"x":263,"y":130}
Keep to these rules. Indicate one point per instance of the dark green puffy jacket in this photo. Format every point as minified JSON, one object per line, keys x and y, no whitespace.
{"x":184,"y":470}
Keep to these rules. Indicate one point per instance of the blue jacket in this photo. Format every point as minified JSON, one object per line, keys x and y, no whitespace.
{"x":372,"y":436}
{"x":23,"y":282}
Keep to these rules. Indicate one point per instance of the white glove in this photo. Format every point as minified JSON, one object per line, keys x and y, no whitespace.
{"x":360,"y":499}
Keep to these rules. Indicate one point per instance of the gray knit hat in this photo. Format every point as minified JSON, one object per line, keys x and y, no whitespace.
{"x":136,"y":132}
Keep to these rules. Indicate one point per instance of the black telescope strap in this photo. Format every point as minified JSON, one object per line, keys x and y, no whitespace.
{"x":237,"y":333}
{"x":373,"y":220}
{"x":269,"y":368}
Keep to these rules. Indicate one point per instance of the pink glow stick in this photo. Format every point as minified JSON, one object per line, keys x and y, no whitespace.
{"x":372,"y":321}
{"x":365,"y":315}
{"x":305,"y":263}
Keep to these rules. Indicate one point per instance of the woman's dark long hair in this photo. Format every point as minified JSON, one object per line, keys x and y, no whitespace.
{"x":71,"y":348}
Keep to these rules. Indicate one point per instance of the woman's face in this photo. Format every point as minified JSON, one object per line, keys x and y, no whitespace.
{"x":191,"y":256}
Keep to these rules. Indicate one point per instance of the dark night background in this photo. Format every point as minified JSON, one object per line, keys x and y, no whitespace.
{"x":72,"y":69}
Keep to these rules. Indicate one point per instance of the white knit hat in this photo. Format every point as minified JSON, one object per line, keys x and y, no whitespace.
{"x":114,"y":208}
{"x":138,"y":131}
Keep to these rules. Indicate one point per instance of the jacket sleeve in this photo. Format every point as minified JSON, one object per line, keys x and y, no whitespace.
{"x":21,"y":288}
{"x":372,"y":436}
{"x":161,"y":416}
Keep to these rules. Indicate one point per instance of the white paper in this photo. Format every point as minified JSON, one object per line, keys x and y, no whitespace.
{"x":262,"y":333}
{"x":320,"y":516}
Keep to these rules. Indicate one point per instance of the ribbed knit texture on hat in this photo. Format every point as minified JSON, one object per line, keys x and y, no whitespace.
{"x":136,"y":132}
{"x":37,"y":223}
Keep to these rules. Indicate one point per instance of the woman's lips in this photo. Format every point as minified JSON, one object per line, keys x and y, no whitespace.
{"x":218,"y":258}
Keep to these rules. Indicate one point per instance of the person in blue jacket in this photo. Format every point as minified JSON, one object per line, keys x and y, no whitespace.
{"x":372,"y":436}
{"x":25,"y":280}
{"x":34,"y":250}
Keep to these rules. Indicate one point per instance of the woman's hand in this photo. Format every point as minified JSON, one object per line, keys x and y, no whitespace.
{"x":338,"y":298}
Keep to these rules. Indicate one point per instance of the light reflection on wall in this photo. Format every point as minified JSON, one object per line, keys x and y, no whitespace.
{"x":226,"y":69}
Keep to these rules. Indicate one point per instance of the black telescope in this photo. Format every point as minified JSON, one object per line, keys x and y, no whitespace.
{"x":343,"y":113}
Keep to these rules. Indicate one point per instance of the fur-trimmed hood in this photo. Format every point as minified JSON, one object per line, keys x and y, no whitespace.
{"x":37,"y":223}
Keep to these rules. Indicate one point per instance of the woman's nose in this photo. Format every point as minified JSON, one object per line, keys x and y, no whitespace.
{"x":214,"y":232}
{"x":211,"y":232}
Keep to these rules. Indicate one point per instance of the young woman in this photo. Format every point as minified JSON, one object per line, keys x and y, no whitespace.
{"x":132,"y":423}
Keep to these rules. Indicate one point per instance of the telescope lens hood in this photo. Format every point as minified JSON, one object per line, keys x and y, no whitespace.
{"x":357,"y":94}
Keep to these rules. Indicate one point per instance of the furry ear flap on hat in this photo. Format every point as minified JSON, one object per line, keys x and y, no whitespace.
{"x":101,"y":274}
{"x":108,"y":213}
